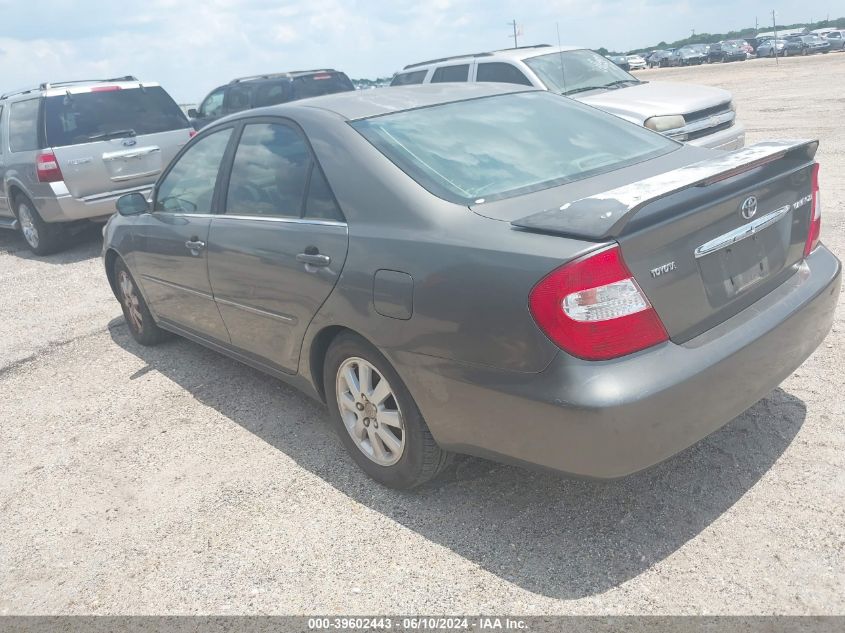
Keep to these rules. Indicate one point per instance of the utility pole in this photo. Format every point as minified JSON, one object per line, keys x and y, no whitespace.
{"x":513,"y":24}
{"x":774,"y":42}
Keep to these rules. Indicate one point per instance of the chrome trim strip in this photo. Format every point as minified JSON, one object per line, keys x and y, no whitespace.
{"x":169,"y":284}
{"x":739,"y":234}
{"x":273,"y":315}
{"x":132,"y":153}
{"x":257,"y":217}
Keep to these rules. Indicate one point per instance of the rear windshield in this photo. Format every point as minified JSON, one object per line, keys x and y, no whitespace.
{"x":320,"y":84}
{"x":88,"y":116}
{"x":506,"y":145}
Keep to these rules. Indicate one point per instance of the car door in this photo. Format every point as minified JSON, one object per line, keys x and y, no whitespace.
{"x":5,"y":206}
{"x":277,"y":249}
{"x":171,"y":242}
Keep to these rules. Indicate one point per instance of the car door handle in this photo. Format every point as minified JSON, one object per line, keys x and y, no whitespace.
{"x":314,"y":259}
{"x":195,"y":245}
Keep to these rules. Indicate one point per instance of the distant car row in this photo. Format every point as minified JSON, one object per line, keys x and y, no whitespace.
{"x":765,"y":45}
{"x":68,"y":150}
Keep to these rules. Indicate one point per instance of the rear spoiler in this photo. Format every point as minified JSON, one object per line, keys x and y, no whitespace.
{"x":604,"y":215}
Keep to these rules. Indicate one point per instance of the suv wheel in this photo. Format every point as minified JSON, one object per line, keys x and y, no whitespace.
{"x":41,"y":237}
{"x":141,"y":325}
{"x":376,"y":417}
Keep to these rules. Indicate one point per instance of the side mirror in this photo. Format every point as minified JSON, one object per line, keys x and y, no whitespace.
{"x":193,"y":113}
{"x":132,"y":204}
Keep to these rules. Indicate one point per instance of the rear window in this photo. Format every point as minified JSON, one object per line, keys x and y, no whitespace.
{"x":320,"y":84}
{"x":83,"y":117}
{"x":502,"y":146}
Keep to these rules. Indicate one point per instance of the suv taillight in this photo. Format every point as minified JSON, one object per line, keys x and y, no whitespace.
{"x":594,"y":309}
{"x":47,"y":167}
{"x":814,"y":234}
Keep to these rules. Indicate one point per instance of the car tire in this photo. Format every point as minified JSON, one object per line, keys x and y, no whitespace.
{"x":804,"y":52}
{"x":139,"y":320}
{"x":401,"y":454}
{"x":41,"y":237}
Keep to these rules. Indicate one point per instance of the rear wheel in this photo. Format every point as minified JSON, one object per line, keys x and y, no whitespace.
{"x":41,"y":237}
{"x":141,"y":325}
{"x":376,"y":416}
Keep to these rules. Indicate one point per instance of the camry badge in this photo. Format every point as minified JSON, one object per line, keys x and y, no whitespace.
{"x":749,"y":207}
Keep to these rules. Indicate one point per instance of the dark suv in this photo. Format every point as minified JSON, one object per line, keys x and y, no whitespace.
{"x":265,"y":90}
{"x":726,"y":52}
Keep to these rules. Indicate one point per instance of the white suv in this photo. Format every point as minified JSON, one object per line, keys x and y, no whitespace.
{"x":699,"y":115}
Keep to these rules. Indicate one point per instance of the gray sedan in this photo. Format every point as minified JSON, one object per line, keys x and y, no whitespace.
{"x":484,"y":269}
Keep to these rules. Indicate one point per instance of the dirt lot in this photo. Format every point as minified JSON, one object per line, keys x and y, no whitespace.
{"x":173,"y":480}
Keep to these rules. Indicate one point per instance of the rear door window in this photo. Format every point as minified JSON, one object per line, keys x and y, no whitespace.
{"x":269,"y":173}
{"x":23,"y":126}
{"x":320,"y":203}
{"x":451,"y":73}
{"x":501,"y":72}
{"x":408,"y":79}
{"x":83,"y":117}
{"x":239,"y":98}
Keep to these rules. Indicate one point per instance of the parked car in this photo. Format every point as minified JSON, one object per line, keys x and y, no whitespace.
{"x":485,"y":269}
{"x":621,"y":61}
{"x":636,"y":62}
{"x":265,"y":90}
{"x":687,"y":56}
{"x":696,"y":114}
{"x":659,"y":59}
{"x":770,"y":48}
{"x":836,"y":40}
{"x":755,"y":42}
{"x":726,"y":52}
{"x":805,"y":45}
{"x":747,"y":48}
{"x":71,"y":148}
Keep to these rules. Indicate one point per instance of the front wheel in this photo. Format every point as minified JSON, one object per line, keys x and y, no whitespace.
{"x":376,"y":416}
{"x":140,"y":321}
{"x":41,"y":237}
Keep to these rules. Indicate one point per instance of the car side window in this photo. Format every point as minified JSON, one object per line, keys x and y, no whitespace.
{"x":270,"y":94}
{"x":269,"y":173}
{"x":451,"y":73}
{"x":408,"y":79}
{"x":213,"y":104}
{"x":320,"y":203}
{"x":501,"y":72}
{"x":23,"y":125}
{"x":1,"y":128}
{"x":238,"y":99}
{"x":189,"y":186}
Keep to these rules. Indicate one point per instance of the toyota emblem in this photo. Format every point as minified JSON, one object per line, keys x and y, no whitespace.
{"x":749,"y":207}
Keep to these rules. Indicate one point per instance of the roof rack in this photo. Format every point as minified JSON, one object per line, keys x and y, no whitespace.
{"x":289,"y":73}
{"x":56,"y":84}
{"x":472,"y":55}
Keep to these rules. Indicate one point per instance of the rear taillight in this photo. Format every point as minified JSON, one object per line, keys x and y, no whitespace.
{"x":814,"y":234}
{"x":47,"y":167}
{"x":192,"y":133}
{"x":593,"y":308}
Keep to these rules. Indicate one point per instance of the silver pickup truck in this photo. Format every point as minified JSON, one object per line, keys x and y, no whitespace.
{"x":699,"y":115}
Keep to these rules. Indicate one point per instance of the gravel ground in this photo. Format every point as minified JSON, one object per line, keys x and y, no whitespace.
{"x":173,"y":480}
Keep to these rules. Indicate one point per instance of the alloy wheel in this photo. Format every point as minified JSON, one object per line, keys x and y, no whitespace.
{"x":130,"y":300}
{"x":370,"y":411}
{"x":28,"y":228}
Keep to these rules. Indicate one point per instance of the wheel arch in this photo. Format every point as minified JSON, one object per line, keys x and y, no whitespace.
{"x":109,"y":258}
{"x":318,"y":350}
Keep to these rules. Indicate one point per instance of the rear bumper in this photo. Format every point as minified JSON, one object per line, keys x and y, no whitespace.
{"x":63,"y":207}
{"x":610,"y":419}
{"x":731,"y":138}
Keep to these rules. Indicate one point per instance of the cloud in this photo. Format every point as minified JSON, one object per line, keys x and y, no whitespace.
{"x":191,"y":47}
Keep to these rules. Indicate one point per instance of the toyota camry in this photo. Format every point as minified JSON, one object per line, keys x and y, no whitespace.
{"x":485,"y":269}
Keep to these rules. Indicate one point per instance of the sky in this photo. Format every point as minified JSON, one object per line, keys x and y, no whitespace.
{"x":192,"y":46}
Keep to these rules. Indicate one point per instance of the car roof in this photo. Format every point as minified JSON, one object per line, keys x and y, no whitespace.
{"x":523,"y":52}
{"x":362,"y":104}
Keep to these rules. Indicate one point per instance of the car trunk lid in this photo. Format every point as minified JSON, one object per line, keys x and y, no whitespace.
{"x":706,"y":240}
